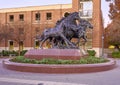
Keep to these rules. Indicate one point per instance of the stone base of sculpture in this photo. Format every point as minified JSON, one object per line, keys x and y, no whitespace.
{"x":65,"y":54}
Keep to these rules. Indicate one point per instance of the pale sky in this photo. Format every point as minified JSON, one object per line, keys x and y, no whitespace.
{"x":24,"y":3}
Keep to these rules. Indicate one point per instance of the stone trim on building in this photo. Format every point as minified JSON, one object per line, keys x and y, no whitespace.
{"x":34,"y":8}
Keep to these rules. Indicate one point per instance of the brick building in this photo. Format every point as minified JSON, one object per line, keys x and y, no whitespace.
{"x":38,"y":18}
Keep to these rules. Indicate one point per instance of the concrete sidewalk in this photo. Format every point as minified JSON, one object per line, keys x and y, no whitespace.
{"x":9,"y":77}
{"x":34,"y":82}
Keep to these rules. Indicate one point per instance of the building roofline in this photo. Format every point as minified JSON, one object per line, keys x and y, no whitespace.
{"x":34,"y":8}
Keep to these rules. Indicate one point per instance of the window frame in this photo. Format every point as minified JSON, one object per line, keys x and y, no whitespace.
{"x":48,"y":16}
{"x":11,"y":45}
{"x":37,"y":16}
{"x":11,"y":18}
{"x":21,"y":17}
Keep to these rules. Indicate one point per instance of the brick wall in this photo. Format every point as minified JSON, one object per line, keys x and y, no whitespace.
{"x":29,"y":17}
{"x":57,"y":13}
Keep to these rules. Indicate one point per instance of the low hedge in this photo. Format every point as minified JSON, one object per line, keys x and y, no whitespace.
{"x":7,"y":53}
{"x":88,"y":60}
{"x":116,"y":54}
{"x":91,"y":52}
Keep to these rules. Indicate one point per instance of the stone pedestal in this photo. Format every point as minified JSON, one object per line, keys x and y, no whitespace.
{"x":66,"y":54}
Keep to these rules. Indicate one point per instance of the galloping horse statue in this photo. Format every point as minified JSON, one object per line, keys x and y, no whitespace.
{"x":58,"y":31}
{"x":65,"y":30}
{"x":81,"y":33}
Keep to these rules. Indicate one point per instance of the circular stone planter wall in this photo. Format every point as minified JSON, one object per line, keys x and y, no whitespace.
{"x":46,"y":68}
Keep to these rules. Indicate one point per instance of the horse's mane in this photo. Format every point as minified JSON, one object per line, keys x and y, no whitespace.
{"x":71,"y":15}
{"x":59,"y":21}
{"x":66,"y":18}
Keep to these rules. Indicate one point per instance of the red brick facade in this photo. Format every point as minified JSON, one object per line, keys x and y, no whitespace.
{"x":98,"y":28}
{"x":57,"y":12}
{"x":29,"y":18}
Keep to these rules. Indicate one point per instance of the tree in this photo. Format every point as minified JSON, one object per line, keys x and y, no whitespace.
{"x":5,"y":34}
{"x":114,"y":11}
{"x":113,"y":30}
{"x":113,"y":34}
{"x":20,"y":32}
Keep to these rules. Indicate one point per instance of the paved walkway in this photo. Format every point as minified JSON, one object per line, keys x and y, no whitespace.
{"x":9,"y":77}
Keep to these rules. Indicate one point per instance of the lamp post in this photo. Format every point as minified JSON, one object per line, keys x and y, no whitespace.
{"x":102,"y":45}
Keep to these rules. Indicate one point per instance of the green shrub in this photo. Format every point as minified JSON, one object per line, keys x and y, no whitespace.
{"x":13,"y":52}
{"x":22,"y":53}
{"x":88,"y":60}
{"x":18,"y":59}
{"x":92,"y":59}
{"x":5,"y":53}
{"x":116,"y":54}
{"x":91,"y":52}
{"x":83,"y":61}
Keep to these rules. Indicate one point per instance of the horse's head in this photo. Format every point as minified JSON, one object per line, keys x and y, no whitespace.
{"x":73,"y":16}
{"x":40,"y":37}
{"x":48,"y":30}
{"x":76,"y":16}
{"x":86,"y":24}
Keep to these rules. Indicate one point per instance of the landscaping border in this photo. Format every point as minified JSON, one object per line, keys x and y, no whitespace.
{"x":60,"y":68}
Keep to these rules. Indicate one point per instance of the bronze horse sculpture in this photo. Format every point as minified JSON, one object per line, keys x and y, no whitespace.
{"x":81,"y":33}
{"x":58,"y":31}
{"x":65,"y":30}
